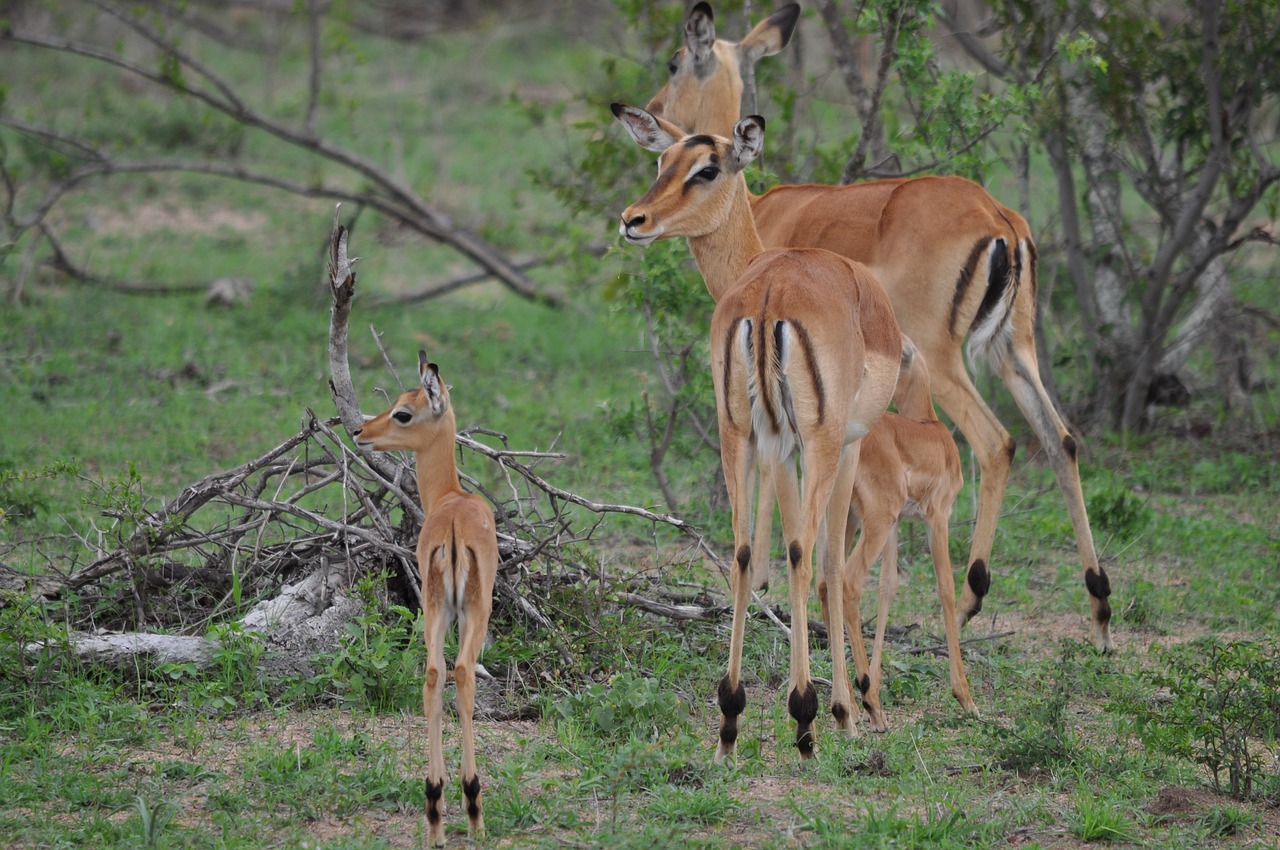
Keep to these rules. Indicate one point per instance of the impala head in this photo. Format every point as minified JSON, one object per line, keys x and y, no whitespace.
{"x":699,"y":176}
{"x":912,"y":394}
{"x":418,"y":417}
{"x":704,"y":91}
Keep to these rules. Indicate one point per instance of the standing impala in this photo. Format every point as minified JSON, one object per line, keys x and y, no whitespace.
{"x":804,"y":359}
{"x":955,"y":263}
{"x":909,"y":468}
{"x":458,"y":561}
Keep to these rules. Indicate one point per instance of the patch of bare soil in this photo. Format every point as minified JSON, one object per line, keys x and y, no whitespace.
{"x":151,"y":216}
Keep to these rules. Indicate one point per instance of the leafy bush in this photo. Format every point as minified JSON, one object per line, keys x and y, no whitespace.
{"x":375,"y":666}
{"x":1040,"y":736}
{"x":1218,"y":705}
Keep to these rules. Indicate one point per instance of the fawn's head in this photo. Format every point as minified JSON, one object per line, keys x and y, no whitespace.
{"x":418,"y":418}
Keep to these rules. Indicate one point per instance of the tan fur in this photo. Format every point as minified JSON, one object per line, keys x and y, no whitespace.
{"x":910,"y":468}
{"x":802,"y":341}
{"x":915,"y":235}
{"x":458,"y":562}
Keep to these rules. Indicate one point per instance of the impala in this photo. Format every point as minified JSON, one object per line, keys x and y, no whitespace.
{"x":909,"y":468}
{"x":458,"y":561}
{"x":805,"y":353}
{"x":956,"y":264}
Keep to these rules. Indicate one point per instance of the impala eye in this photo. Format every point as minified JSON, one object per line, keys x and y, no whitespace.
{"x":672,"y":67}
{"x":402,"y":416}
{"x":708,"y":173}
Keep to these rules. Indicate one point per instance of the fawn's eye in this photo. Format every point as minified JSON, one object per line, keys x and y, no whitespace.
{"x":708,"y":173}
{"x":402,"y":416}
{"x":672,"y":67}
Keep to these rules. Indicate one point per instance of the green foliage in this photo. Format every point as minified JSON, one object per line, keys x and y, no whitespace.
{"x":1097,"y":819}
{"x":1218,"y":705}
{"x":20,"y":496}
{"x":1118,"y":511}
{"x":1042,"y":734}
{"x":625,"y":706}
{"x":377,"y":665}
{"x":1220,"y":822}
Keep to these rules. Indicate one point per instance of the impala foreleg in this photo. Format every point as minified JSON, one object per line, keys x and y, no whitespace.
{"x":876,"y":530}
{"x":833,"y":575}
{"x":993,"y":448}
{"x":1021,"y":375}
{"x":947,"y":595}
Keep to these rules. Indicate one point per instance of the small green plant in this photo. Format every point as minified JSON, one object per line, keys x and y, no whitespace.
{"x":1218,"y":704}
{"x":625,"y":706}
{"x":1041,"y":736}
{"x":1118,"y":511}
{"x":1099,"y":820}
{"x":1219,"y":822}
{"x":376,"y":665}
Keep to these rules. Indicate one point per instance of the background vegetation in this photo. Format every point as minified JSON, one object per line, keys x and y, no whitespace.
{"x":599,"y":733}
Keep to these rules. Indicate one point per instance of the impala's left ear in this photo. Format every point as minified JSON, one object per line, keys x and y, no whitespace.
{"x":650,"y":132}
{"x":437,"y":395}
{"x":748,"y":141}
{"x":770,"y":35}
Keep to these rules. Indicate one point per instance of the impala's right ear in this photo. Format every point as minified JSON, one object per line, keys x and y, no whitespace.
{"x":650,"y":132}
{"x":431,"y":384}
{"x":748,"y":140}
{"x":700,"y":32}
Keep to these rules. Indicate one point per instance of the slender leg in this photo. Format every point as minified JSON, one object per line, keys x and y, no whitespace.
{"x":471,"y":640}
{"x":833,"y":575}
{"x":436,"y":622}
{"x":876,"y":529}
{"x":760,"y":544}
{"x":1022,"y":376}
{"x":993,"y":448}
{"x":947,"y":595}
{"x":888,"y":590}
{"x":736,"y":455}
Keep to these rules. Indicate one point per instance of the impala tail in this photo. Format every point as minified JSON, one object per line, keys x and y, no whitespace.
{"x":764,"y":351}
{"x":991,"y":333}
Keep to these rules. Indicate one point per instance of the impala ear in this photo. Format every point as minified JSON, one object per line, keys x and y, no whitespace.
{"x":437,"y":394}
{"x":748,"y":140}
{"x":770,"y":35}
{"x":650,"y":132}
{"x":700,"y":32}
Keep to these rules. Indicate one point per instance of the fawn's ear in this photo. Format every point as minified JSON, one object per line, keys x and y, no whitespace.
{"x":748,"y":141}
{"x":437,"y":394}
{"x":650,"y":132}
{"x":770,"y":35}
{"x":700,"y":32}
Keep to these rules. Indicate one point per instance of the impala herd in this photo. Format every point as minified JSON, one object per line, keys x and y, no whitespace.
{"x":831,"y":302}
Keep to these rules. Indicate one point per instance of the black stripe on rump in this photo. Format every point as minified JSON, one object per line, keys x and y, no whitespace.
{"x":997,"y":282}
{"x":811,"y":359}
{"x":962,"y":283}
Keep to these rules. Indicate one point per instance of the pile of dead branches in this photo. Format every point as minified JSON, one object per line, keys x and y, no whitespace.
{"x":278,"y":541}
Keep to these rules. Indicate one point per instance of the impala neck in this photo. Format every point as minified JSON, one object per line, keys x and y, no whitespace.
{"x":723,"y":255}
{"x":435,"y":469}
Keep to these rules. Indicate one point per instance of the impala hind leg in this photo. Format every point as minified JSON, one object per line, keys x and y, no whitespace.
{"x":834,"y":575}
{"x":471,"y":640}
{"x":736,"y":456}
{"x":1022,"y":376}
{"x":435,"y":624}
{"x":876,"y":530}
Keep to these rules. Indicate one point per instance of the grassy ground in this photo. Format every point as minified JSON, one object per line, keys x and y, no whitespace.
{"x":615,"y":749}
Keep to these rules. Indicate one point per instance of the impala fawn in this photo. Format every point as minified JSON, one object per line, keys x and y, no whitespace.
{"x":458,"y":562}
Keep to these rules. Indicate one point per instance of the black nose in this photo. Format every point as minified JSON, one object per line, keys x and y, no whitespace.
{"x":634,"y":221}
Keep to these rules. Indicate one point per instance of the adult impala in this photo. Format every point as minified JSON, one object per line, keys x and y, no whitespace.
{"x":909,"y":468}
{"x":805,"y":353}
{"x":955,"y":263}
{"x":458,"y":561}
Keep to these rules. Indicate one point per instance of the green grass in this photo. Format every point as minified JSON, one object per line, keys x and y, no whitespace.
{"x":147,"y":394}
